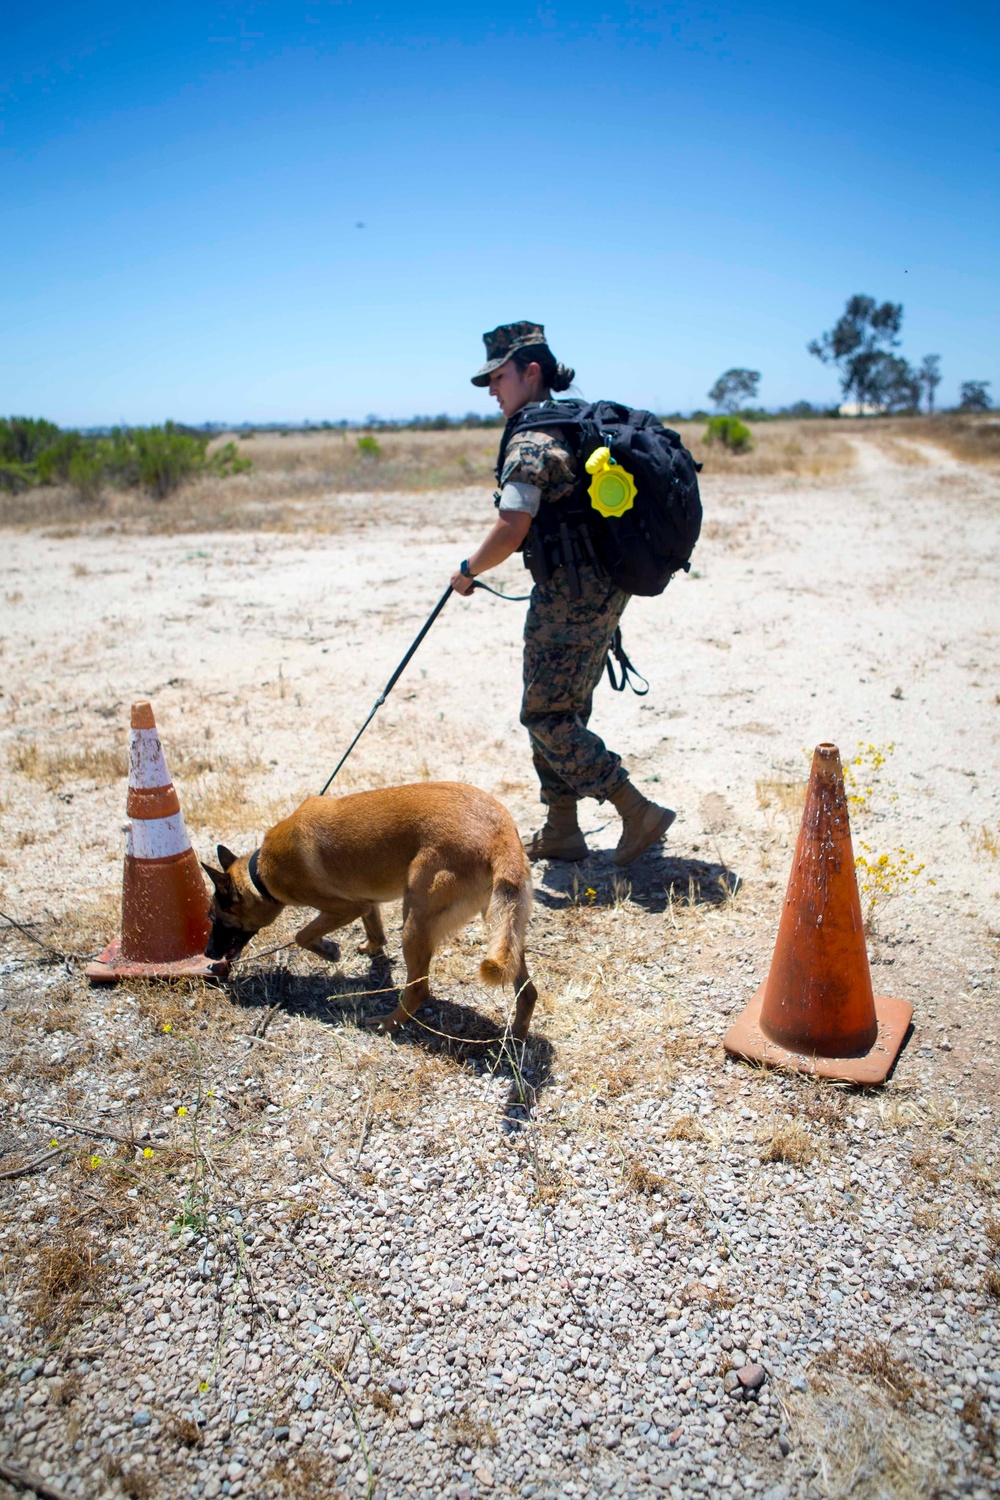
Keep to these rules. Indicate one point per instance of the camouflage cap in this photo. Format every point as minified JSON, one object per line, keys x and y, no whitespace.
{"x":501,"y":344}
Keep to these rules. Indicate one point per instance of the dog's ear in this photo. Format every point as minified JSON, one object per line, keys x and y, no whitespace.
{"x":223,"y":883}
{"x":226,"y":856}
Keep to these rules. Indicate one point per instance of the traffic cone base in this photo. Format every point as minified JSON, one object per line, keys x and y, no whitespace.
{"x":165,"y":906}
{"x":746,"y":1040}
{"x":109,"y":967}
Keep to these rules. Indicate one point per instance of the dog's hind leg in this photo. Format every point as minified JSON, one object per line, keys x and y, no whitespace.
{"x":527,"y":995}
{"x":313,"y":937}
{"x":417,"y":954}
{"x":376,"y":932}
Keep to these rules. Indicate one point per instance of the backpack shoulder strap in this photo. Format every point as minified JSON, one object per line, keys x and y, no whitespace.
{"x":538,"y":416}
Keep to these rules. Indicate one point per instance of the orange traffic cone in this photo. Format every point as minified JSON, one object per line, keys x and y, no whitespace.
{"x":165,"y":921}
{"x":815,"y":1012}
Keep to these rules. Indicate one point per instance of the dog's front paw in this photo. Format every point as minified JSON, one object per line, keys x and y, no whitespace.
{"x":325,"y":948}
{"x":385,"y":1025}
{"x":372,"y":949}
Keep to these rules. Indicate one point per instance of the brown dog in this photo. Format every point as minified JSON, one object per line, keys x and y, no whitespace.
{"x":448,"y":850}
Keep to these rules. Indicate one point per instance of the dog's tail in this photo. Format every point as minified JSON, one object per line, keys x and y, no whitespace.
{"x":507,"y":919}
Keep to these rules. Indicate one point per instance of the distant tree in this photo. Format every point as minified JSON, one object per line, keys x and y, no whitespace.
{"x":974,"y":397}
{"x":858,"y":345}
{"x":929,"y":376}
{"x":891,"y":384}
{"x":734,"y":389}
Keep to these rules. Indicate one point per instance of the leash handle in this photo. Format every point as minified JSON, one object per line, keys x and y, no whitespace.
{"x":627,"y":669}
{"x":383,"y":695}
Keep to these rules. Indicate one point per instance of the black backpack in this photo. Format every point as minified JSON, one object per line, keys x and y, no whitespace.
{"x":642,"y":548}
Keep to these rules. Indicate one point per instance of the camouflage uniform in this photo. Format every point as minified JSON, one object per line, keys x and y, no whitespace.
{"x":566,"y":643}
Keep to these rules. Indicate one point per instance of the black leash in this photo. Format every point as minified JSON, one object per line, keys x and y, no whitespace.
{"x":383,"y":695}
{"x":628,"y":671}
{"x":616,"y":647}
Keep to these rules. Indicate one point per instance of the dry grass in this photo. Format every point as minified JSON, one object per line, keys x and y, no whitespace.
{"x":311,"y":480}
{"x":858,"y":1440}
{"x":225,"y":802}
{"x":793,"y":449}
{"x":901,"y":453}
{"x":304,"y":1477}
{"x":66,"y":1273}
{"x":641,"y":1180}
{"x":466,"y":1430}
{"x":973,"y":439}
{"x":985,"y":840}
{"x":687,"y":1128}
{"x":788,"y":1141}
{"x":784,"y":794}
{"x":101,"y":765}
{"x":876,"y":1360}
{"x":133,"y":1481}
{"x":983,"y":1427}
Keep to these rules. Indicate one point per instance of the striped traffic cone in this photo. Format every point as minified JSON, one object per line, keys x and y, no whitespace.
{"x":165,"y":921}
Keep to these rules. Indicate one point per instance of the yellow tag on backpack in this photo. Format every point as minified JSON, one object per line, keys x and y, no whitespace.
{"x":612,"y":489}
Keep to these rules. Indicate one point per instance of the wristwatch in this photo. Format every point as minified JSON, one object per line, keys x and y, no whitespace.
{"x":465,"y":570}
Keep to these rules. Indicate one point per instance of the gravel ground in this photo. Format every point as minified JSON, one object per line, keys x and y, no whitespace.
{"x":273,"y":1255}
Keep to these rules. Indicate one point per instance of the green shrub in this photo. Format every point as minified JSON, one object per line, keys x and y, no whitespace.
{"x":86,"y":471}
{"x":730,"y":432}
{"x":228,"y":461}
{"x":158,"y":459}
{"x":370,"y":445}
{"x":22,"y":439}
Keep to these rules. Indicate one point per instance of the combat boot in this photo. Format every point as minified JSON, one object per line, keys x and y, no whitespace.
{"x":560,"y":836}
{"x":643,"y":822}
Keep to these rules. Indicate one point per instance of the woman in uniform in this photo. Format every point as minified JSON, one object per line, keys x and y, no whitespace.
{"x":570,"y":619}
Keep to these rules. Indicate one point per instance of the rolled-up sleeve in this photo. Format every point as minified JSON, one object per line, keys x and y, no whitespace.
{"x":516,"y":495}
{"x":539,"y":467}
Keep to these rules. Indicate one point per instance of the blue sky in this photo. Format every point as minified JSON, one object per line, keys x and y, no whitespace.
{"x":671,"y":189}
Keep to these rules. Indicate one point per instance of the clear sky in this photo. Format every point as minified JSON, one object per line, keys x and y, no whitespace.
{"x":671,"y":189}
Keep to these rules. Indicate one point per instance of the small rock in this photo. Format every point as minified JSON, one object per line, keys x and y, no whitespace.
{"x":242,"y":1417}
{"x":141,"y":1418}
{"x":731,"y":1382}
{"x":27,"y":1375}
{"x":522,"y":1265}
{"x":280,"y":1434}
{"x":612,"y":1438}
{"x":484,"y":1476}
{"x":305,"y":1403}
{"x":342,"y":1452}
{"x":397,"y":1385}
{"x":415,"y":1416}
{"x":751,"y":1377}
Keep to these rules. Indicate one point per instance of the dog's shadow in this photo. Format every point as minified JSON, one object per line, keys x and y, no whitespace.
{"x":444,"y":1028}
{"x":655,"y":881}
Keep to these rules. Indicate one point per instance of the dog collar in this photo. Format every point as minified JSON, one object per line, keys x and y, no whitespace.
{"x":252,"y":872}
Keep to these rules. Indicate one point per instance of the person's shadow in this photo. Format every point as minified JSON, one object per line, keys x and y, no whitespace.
{"x":655,"y":881}
{"x":444,"y":1027}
